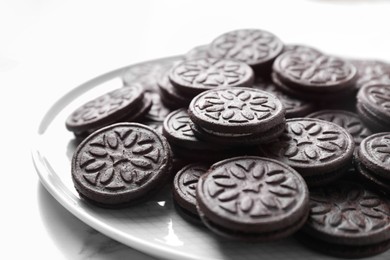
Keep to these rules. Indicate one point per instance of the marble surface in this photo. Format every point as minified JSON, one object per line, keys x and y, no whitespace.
{"x":48,"y":47}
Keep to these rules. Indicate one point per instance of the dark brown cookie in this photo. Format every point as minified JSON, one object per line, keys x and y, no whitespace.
{"x":320,"y":151}
{"x":374,"y":106}
{"x":252,"y":198}
{"x":237,"y":111}
{"x":121,"y":164}
{"x":106,"y":109}
{"x":348,"y":120}
{"x":177,"y":130}
{"x":311,"y":72}
{"x":257,"y":48}
{"x":347,"y":220}
{"x":195,"y":76}
{"x":169,"y":95}
{"x":184,"y":186}
{"x":374,"y":154}
{"x":245,"y":141}
{"x":294,"y":107}
{"x":371,"y":72}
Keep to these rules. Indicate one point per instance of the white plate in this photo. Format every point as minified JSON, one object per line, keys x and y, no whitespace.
{"x":153,"y":227}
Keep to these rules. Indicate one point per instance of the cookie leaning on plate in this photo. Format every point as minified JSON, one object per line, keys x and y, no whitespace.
{"x":121,"y":164}
{"x":252,"y":198}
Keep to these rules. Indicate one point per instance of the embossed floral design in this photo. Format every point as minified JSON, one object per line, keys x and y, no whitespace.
{"x":348,"y":208}
{"x":237,"y":105}
{"x":380,"y":148}
{"x":310,"y":142}
{"x":250,"y":46}
{"x":346,"y":120}
{"x":191,"y":177}
{"x":105,"y":104}
{"x":180,"y":123}
{"x":210,"y":73}
{"x":316,"y":68}
{"x":253,"y":189}
{"x":119,"y":159}
{"x":380,"y":95}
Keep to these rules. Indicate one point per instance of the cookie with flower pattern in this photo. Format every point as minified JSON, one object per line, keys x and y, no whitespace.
{"x":374,"y":106}
{"x":347,"y":220}
{"x":257,"y":48}
{"x":320,"y":151}
{"x":184,"y":187}
{"x":105,"y":109}
{"x":373,"y":160}
{"x":347,"y":120}
{"x":238,"y":111}
{"x":195,"y":76}
{"x":308,"y":73}
{"x":121,"y":164}
{"x":252,"y":198}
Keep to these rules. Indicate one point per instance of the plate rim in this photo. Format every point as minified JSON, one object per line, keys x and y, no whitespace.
{"x":64,"y":196}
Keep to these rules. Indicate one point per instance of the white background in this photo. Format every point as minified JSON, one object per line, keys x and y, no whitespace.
{"x":49,"y":47}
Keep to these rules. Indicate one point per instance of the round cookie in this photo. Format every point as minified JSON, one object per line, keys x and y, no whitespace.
{"x":105,"y":109}
{"x":169,"y":96}
{"x":184,"y":187}
{"x":294,"y":107}
{"x":348,"y":120}
{"x":371,"y":72}
{"x":374,"y":106}
{"x":374,"y":155}
{"x":252,"y":198}
{"x":121,"y":164}
{"x":192,"y":77}
{"x":299,"y":47}
{"x":314,"y":71}
{"x":347,"y":220}
{"x":237,"y":111}
{"x":320,"y":151}
{"x":257,"y":48}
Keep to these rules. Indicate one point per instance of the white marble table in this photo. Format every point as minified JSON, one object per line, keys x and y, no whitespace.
{"x":49,"y":47}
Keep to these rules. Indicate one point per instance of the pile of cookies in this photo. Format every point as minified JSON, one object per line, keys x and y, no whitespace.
{"x":260,"y":140}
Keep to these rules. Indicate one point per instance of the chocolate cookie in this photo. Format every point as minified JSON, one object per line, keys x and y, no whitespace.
{"x":373,"y":160}
{"x":237,"y":111}
{"x":170,"y":97}
{"x":371,"y":72}
{"x":195,"y":76}
{"x":294,"y":107}
{"x":310,"y":73}
{"x":257,"y":48}
{"x":184,"y":188}
{"x":320,"y":151}
{"x":348,"y":120}
{"x":120,"y":164}
{"x":106,"y":109}
{"x":299,"y":47}
{"x":374,"y":106}
{"x":347,"y":220}
{"x":252,"y":198}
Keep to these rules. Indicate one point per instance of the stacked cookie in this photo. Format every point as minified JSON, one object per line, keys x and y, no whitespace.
{"x":215,"y":122}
